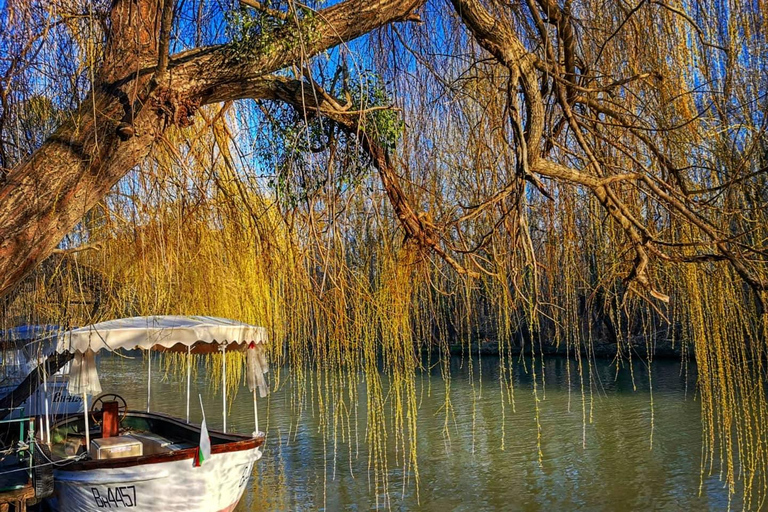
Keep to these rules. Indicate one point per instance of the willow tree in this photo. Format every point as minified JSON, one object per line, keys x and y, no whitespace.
{"x":553,"y":154}
{"x":575,"y":99}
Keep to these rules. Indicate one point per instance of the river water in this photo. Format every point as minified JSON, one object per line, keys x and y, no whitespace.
{"x":640,"y":451}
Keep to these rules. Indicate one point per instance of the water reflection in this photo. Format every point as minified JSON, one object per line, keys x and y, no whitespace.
{"x":615,"y":461}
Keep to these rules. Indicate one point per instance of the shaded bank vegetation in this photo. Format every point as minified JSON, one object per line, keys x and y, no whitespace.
{"x":541,"y":175}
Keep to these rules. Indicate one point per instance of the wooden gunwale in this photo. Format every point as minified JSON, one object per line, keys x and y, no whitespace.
{"x":238,"y":442}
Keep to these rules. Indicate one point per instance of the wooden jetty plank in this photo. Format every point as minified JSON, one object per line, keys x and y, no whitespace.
{"x":18,"y":498}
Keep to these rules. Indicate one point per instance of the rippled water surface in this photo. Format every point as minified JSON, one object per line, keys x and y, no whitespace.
{"x":484,"y":456}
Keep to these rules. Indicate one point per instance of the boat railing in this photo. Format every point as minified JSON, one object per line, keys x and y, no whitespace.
{"x":25,"y":446}
{"x":19,"y":408}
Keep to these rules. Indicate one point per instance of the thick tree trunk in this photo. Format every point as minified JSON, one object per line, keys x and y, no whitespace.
{"x":45,"y":196}
{"x":74,"y":169}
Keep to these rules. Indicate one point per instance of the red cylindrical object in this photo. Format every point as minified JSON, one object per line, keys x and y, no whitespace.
{"x":110,"y":425}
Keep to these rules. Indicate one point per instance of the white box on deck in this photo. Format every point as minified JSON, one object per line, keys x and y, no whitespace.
{"x":116,"y":447}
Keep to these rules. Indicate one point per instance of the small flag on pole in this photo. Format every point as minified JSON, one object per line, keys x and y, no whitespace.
{"x":204,"y":447}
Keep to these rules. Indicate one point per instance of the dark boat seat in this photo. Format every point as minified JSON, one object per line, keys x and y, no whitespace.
{"x":180,"y":446}
{"x":14,"y":472}
{"x":154,"y":444}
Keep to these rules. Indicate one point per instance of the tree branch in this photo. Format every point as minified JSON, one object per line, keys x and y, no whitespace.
{"x":166,"y":22}
{"x":308,"y":97}
{"x":266,"y":10}
{"x":195,"y":72}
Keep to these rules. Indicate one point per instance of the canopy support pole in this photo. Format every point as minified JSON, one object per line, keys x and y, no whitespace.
{"x":87,"y":425}
{"x":47,"y":409}
{"x":149,"y":376}
{"x":255,"y":414}
{"x":224,"y":383}
{"x":189,"y":375}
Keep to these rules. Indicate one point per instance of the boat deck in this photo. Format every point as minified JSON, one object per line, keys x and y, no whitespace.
{"x":157,"y":434}
{"x":152,"y":443}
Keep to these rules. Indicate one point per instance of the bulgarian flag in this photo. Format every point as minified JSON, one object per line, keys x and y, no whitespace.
{"x":203,"y":452}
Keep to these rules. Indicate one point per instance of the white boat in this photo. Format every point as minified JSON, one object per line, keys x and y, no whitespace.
{"x":147,"y":461}
{"x":164,"y":476}
{"x":23,"y":350}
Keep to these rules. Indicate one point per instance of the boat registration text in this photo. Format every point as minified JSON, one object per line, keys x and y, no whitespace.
{"x":124,"y":496}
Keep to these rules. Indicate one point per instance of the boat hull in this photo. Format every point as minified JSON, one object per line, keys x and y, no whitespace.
{"x":60,"y":402}
{"x":174,"y":485}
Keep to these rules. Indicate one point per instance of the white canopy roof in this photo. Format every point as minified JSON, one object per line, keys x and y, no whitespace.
{"x":160,"y":332}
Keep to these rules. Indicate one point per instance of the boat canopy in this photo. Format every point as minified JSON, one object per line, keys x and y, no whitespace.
{"x":26,"y":336}
{"x":198,"y":334}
